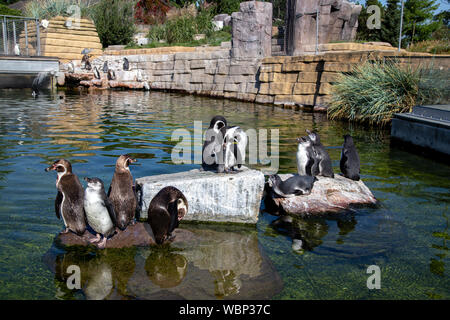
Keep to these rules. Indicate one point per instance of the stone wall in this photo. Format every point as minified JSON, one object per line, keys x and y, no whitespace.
{"x":292,"y":82}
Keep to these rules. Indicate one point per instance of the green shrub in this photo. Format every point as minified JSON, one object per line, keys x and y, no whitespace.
{"x":114,"y":21}
{"x":431,"y":46}
{"x":183,"y":28}
{"x":4,"y":10}
{"x":373,"y":92}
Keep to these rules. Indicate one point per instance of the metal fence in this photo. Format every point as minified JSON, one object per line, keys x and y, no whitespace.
{"x":19,"y":36}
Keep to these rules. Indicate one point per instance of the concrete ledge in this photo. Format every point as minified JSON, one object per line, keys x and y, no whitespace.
{"x":328,"y":196}
{"x":213,"y":197}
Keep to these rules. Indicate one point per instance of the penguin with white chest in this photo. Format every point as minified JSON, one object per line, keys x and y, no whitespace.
{"x":234,"y":145}
{"x":70,"y":197}
{"x":99,"y":211}
{"x":305,"y":156}
{"x":121,"y":192}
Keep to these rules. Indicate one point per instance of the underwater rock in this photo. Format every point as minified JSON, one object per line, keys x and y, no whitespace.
{"x":328,"y":196}
{"x":218,"y":197}
{"x":139,"y":234}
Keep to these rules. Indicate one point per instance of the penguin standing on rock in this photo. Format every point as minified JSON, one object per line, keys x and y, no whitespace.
{"x":126,"y":64}
{"x":121,"y":192}
{"x":322,"y":161}
{"x":350,"y":165}
{"x":305,"y":156}
{"x":105,"y":67}
{"x":212,"y":151}
{"x":165,"y":211}
{"x":96,"y":73}
{"x":69,"y":199}
{"x":111,"y":74}
{"x":99,"y":211}
{"x":234,"y":145}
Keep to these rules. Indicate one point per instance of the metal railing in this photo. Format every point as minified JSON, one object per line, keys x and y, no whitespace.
{"x":19,"y":36}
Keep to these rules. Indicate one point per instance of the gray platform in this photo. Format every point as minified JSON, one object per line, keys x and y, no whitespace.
{"x":426,"y":127}
{"x":19,"y":72}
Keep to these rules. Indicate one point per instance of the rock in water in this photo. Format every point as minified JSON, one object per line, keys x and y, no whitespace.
{"x":134,"y":235}
{"x":328,"y":196}
{"x":217,"y":197}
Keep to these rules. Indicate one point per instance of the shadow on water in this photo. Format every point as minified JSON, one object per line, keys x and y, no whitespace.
{"x":217,"y":264}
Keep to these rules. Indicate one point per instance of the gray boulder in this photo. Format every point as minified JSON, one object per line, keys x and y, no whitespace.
{"x":328,"y":196}
{"x":217,"y":197}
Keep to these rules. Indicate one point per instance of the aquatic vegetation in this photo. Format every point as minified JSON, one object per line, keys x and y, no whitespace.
{"x":373,"y":92}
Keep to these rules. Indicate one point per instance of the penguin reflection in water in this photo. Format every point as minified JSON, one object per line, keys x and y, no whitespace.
{"x":99,"y":211}
{"x":165,"y":211}
{"x":70,"y":197}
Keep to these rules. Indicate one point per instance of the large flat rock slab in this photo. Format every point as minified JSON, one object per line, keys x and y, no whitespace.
{"x":328,"y":196}
{"x":139,"y":235}
{"x":213,"y":197}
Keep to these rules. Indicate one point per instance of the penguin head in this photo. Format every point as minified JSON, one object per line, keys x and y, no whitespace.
{"x":314,"y":136}
{"x":273,"y":180}
{"x":94,"y":183}
{"x":304,"y":141}
{"x":61,"y":166}
{"x":124,"y":161}
{"x":348,"y":139}
{"x":217,"y":123}
{"x":182,"y":208}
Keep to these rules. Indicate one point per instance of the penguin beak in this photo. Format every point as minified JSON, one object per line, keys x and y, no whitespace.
{"x":86,"y":179}
{"x":131,"y":160}
{"x":52,"y":167}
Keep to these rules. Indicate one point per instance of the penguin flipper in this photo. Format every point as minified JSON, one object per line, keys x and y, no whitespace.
{"x":58,"y":201}
{"x":111,"y":211}
{"x":109,"y":192}
{"x":172,"y":208}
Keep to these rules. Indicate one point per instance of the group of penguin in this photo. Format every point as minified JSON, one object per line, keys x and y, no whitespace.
{"x":313,"y":160}
{"x":104,"y":213}
{"x":110,"y":72}
{"x":223,"y":151}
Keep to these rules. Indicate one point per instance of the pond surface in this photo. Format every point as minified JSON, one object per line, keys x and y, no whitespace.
{"x":407,"y":235}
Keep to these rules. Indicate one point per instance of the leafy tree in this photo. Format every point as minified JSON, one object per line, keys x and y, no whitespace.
{"x":417,"y":21}
{"x":365,"y":33}
{"x":390,"y":25}
{"x":444,"y":16}
{"x":114,"y":21}
{"x":4,"y":10}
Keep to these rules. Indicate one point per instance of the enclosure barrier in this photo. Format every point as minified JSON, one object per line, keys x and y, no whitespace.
{"x":19,"y":36}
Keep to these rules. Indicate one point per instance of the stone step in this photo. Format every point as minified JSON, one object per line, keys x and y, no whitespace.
{"x":277,"y":48}
{"x":278,"y":53}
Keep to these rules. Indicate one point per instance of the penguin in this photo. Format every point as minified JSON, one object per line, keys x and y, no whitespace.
{"x":165,"y":211}
{"x":37,"y":83}
{"x":111,"y":74}
{"x":71,"y":67}
{"x":305,"y":156}
{"x":350,"y":165}
{"x":322,"y":161}
{"x":121,"y":193}
{"x":96,"y":73}
{"x":212,"y":151}
{"x":234,"y":145}
{"x":16,"y":50}
{"x":146,"y":86}
{"x":293,"y":186}
{"x":69,"y":199}
{"x":99,"y":211}
{"x":126,"y":64}
{"x":105,"y":67}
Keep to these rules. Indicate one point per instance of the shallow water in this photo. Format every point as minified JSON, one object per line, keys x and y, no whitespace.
{"x":406,"y":235}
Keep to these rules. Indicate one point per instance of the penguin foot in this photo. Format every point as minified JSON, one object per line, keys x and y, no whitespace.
{"x":102,"y":244}
{"x":170,"y":237}
{"x":132,"y":222}
{"x":96,"y":239}
{"x":66,"y":230}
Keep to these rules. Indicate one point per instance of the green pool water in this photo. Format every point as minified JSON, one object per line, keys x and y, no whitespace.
{"x":406,"y":235}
